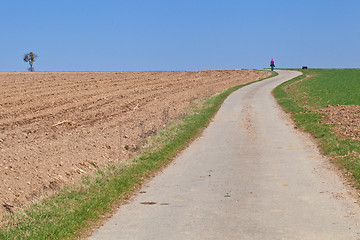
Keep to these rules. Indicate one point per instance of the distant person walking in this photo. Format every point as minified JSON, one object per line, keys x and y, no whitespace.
{"x":272,"y":64}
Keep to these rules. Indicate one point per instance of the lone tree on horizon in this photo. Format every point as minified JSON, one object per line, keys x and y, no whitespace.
{"x":30,"y":58}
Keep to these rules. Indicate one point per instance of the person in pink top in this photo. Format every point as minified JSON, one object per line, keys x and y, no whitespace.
{"x":272,"y":64}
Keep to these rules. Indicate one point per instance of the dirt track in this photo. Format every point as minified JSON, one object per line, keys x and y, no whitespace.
{"x":55,"y":127}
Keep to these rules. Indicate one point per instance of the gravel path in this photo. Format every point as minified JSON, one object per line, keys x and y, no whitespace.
{"x":251,"y":175}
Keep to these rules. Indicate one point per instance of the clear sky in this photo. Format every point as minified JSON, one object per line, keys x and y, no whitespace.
{"x":144,"y":35}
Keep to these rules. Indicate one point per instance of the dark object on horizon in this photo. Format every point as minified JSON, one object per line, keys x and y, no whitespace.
{"x":304,"y":67}
{"x":30,"y":58}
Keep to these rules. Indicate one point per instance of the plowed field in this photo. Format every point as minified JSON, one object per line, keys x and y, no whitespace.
{"x":55,"y":127}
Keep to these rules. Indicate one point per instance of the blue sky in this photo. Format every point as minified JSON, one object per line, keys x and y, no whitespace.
{"x":141,"y":35}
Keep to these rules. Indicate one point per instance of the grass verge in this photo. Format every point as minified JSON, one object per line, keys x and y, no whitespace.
{"x":68,"y":213}
{"x":316,"y":89}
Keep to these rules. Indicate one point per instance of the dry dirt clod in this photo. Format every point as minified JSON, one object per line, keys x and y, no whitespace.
{"x":8,"y":207}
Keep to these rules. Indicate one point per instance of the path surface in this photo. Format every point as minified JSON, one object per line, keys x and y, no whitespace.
{"x":251,"y":175}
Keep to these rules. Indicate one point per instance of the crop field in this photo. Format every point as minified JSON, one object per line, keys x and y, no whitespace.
{"x":58,"y":126}
{"x":326,"y":103}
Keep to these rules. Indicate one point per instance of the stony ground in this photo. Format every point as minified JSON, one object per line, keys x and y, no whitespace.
{"x":345,"y":120}
{"x":56,"y":127}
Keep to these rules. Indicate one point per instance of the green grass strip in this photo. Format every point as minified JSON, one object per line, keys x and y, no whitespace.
{"x":70,"y":212}
{"x":316,"y":89}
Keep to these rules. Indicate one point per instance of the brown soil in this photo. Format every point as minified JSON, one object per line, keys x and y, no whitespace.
{"x":55,"y":127}
{"x":345,"y":120}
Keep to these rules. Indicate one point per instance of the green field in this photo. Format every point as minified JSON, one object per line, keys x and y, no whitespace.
{"x":317,"y":89}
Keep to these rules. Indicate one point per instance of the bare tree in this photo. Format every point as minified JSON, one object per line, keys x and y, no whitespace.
{"x":30,"y":58}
